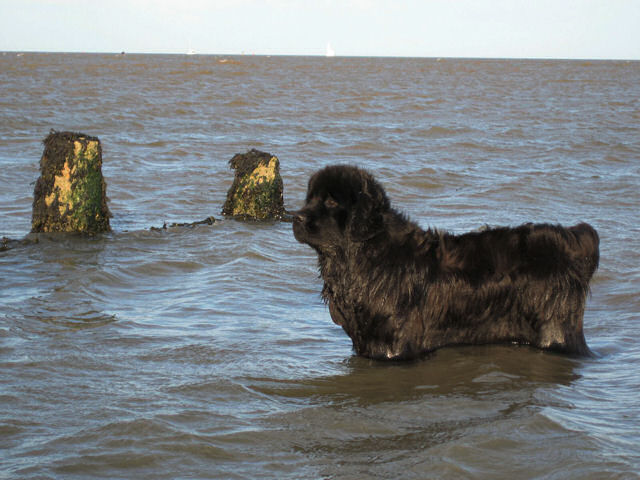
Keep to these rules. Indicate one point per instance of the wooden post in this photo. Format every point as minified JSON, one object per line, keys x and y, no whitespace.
{"x":256,"y":192}
{"x":70,"y":195}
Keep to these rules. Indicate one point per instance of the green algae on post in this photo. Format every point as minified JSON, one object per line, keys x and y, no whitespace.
{"x":256,"y":192}
{"x":70,"y":194}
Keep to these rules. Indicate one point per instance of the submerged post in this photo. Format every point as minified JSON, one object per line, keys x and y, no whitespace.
{"x":70,"y":194}
{"x":256,"y":192}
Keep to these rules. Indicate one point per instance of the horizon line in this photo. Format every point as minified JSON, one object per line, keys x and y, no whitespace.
{"x":319,"y":55}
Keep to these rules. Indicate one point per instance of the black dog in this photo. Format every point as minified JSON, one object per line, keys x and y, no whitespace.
{"x":400,"y":291}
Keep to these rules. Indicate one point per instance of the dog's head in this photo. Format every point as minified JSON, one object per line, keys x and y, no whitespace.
{"x":344,"y":204}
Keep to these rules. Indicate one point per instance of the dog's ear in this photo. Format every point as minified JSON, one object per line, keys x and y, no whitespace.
{"x":370,"y":204}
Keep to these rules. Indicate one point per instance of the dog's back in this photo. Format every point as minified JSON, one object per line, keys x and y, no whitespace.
{"x":545,"y":268}
{"x":540,"y":250}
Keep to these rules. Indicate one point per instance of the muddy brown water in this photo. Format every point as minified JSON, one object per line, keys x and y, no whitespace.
{"x":206,"y":352}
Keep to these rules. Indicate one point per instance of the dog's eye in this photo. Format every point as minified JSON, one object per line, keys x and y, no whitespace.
{"x":330,"y":203}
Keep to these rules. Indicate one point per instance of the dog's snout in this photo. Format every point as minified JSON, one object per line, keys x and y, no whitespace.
{"x":299,"y":215}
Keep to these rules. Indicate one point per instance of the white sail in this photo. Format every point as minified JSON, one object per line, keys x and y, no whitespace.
{"x":330,"y":51}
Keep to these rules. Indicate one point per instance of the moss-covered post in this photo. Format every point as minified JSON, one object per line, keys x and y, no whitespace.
{"x":256,"y":192}
{"x":70,"y":195}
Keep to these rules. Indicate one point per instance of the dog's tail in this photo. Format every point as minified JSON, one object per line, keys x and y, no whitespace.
{"x":586,"y":249}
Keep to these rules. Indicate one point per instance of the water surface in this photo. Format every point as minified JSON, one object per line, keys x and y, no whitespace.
{"x":206,"y":352}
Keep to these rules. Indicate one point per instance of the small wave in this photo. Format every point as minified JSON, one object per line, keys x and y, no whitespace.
{"x":156,"y":143}
{"x":468,"y":145}
{"x":192,"y":354}
{"x":437,"y":131}
{"x":166,"y":267}
{"x":78,"y":320}
{"x":237,"y":102}
{"x":423,"y":179}
{"x":316,"y":143}
{"x":361,"y":147}
{"x":204,"y":72}
{"x":512,"y":133}
{"x":228,"y":61}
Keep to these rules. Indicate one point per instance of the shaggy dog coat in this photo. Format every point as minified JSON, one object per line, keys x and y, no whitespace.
{"x":399,"y":291}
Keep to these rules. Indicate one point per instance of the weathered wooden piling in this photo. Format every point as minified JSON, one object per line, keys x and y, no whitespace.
{"x":256,"y":192}
{"x":70,"y":194}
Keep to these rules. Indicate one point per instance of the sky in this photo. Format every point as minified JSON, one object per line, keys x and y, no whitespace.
{"x":584,"y":29}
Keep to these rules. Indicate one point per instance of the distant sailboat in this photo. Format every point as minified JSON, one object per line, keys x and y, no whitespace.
{"x":191,"y":51}
{"x":330,"y":51}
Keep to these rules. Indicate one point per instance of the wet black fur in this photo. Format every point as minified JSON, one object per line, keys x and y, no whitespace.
{"x":399,"y":291}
